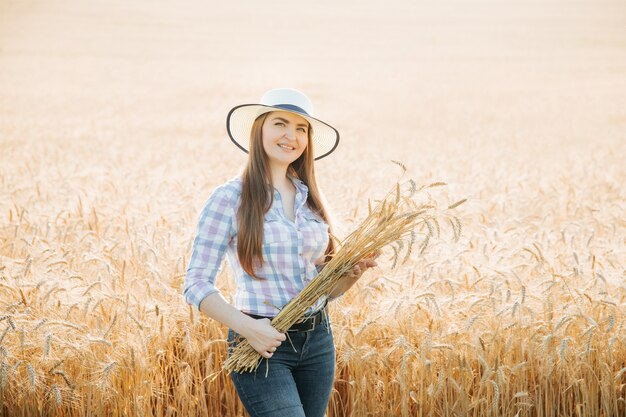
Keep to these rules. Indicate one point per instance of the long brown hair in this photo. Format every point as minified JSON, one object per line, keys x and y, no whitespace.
{"x":257,"y":196}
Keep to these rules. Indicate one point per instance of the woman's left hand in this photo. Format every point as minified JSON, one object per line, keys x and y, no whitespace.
{"x":349,"y":278}
{"x":363,"y":265}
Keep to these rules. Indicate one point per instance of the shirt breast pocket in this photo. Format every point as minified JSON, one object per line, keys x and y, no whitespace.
{"x":271,"y":230}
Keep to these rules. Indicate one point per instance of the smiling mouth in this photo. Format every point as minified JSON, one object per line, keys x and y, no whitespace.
{"x":290,"y":148}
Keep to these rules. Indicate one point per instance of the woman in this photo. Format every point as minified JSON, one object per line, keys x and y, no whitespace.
{"x":274,"y":229}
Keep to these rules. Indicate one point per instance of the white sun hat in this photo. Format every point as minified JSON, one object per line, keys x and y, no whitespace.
{"x":240,"y":119}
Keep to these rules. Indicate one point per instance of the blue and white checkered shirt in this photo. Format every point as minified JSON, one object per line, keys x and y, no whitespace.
{"x":291,"y":250}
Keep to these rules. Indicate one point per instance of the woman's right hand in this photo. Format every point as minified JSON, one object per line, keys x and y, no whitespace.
{"x":263,"y":337}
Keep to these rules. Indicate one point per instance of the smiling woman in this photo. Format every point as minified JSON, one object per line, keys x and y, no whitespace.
{"x":272,"y":225}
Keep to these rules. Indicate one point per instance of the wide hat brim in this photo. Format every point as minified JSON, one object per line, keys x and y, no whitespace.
{"x":240,"y":119}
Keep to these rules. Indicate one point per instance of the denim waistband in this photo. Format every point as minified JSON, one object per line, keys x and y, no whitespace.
{"x":305,"y":324}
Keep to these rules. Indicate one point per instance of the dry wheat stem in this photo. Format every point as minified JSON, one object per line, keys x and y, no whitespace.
{"x":392,"y":220}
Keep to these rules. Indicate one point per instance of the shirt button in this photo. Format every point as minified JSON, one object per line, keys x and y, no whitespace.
{"x":300,"y":254}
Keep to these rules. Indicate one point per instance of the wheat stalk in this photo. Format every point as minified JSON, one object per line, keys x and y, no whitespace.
{"x":56,"y":393}
{"x":392,"y":220}
{"x":65,"y":378}
{"x":4,"y":368}
{"x":32,"y":377}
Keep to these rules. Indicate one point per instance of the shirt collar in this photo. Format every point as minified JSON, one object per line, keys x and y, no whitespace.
{"x":302,"y":192}
{"x":298,"y":183}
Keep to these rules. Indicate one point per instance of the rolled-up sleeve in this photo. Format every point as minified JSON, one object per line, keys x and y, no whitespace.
{"x":212,"y":238}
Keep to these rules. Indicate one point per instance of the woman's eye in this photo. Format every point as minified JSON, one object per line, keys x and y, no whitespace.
{"x":302,"y":129}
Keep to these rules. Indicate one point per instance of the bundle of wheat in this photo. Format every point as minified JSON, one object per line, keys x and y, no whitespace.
{"x":392,"y":222}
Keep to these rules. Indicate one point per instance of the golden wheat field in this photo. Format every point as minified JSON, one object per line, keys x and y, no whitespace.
{"x":112,"y":136}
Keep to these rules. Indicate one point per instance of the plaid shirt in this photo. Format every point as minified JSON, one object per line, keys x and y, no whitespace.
{"x":290,"y":251}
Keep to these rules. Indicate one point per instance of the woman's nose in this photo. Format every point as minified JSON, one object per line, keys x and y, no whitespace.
{"x":290,"y":133}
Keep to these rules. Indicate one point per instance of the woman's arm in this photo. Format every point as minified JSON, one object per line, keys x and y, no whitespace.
{"x":213,"y":235}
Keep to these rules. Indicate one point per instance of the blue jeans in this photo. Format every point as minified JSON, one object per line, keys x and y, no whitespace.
{"x":298,"y":383}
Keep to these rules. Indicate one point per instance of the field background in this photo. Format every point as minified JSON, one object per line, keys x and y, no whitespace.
{"x":112,"y":136}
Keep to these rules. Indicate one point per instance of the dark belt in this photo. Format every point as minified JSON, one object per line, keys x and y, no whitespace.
{"x":305,"y":325}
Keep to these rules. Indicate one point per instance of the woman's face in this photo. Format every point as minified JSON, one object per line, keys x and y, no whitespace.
{"x":285,"y":137}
